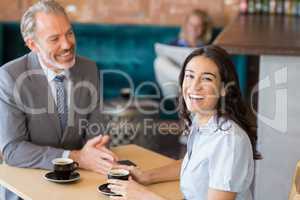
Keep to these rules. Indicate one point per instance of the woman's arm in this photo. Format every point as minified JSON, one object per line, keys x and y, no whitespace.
{"x":214,"y":194}
{"x":131,"y":190}
{"x":169,"y":172}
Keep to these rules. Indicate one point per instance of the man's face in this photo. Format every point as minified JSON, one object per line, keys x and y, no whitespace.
{"x":54,"y":41}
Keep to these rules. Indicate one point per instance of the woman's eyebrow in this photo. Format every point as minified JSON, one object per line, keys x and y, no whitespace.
{"x":209,"y":73}
{"x":189,"y":70}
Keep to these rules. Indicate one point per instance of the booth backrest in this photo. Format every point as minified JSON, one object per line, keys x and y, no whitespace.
{"x":127,"y":49}
{"x":121,"y":52}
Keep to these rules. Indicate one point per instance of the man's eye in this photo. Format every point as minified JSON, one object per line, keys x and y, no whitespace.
{"x":70,"y":33}
{"x":53,"y":39}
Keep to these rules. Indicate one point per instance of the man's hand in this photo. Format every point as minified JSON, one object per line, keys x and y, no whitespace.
{"x":95,"y":156}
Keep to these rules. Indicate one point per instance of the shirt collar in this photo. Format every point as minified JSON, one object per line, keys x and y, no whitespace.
{"x":212,"y":126}
{"x":51,"y":74}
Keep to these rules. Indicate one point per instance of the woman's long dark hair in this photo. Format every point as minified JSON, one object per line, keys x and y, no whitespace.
{"x":231,"y":106}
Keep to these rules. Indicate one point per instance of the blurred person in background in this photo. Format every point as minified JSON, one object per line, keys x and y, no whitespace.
{"x":196,"y":31}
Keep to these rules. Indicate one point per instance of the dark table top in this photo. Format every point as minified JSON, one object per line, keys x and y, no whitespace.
{"x":262,"y":34}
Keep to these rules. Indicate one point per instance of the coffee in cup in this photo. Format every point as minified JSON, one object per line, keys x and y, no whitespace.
{"x":120,"y":174}
{"x":64,"y":167}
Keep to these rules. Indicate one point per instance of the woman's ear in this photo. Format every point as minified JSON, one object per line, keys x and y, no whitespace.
{"x":223,"y":92}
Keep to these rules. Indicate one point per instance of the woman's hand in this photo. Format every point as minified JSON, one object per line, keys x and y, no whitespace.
{"x":130,"y":190}
{"x":168,"y":172}
{"x":137,"y":174}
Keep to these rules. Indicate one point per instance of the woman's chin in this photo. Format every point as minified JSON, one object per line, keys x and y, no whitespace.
{"x":200,"y":110}
{"x":194,"y":107}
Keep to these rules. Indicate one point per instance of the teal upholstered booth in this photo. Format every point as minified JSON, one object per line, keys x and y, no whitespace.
{"x":1,"y":42}
{"x":127,"y":48}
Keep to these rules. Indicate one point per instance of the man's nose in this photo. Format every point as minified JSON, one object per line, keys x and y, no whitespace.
{"x":66,"y":43}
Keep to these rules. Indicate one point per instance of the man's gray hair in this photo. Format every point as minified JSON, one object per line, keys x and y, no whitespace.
{"x":28,"y":21}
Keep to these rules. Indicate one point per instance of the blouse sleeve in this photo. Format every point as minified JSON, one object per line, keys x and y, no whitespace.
{"x":231,"y":166}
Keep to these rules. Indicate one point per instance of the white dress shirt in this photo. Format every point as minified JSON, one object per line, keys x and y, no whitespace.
{"x":219,"y":159}
{"x":50,"y":75}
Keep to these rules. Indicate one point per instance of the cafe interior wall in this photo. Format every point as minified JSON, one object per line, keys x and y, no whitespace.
{"x":160,"y":12}
{"x":152,"y":12}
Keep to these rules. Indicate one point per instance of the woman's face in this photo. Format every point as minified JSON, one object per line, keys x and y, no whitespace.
{"x":194,"y":27}
{"x":201,"y":85}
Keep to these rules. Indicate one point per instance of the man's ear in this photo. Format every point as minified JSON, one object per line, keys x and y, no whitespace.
{"x":31,"y":44}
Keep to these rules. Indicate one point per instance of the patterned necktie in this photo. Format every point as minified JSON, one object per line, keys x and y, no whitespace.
{"x":61,"y":101}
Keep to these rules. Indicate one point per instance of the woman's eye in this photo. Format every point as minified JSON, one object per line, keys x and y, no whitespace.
{"x":207,"y":79}
{"x":189,"y":76}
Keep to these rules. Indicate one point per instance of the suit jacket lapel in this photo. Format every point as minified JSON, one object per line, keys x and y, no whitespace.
{"x":40,"y":83}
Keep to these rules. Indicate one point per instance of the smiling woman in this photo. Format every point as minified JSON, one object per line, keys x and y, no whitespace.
{"x":201,"y":86}
{"x":209,"y":71}
{"x":219,"y":126}
{"x":219,"y":163}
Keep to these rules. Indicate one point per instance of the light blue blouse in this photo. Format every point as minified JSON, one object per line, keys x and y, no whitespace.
{"x":219,"y":159}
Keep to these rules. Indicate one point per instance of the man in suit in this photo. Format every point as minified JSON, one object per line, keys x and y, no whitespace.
{"x":46,"y":95}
